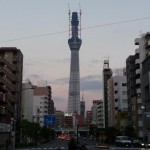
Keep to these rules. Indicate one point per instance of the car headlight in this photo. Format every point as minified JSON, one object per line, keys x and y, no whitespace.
{"x":148,"y":144}
{"x":142,"y":144}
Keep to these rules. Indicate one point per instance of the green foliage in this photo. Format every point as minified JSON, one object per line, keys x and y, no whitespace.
{"x":129,"y":131}
{"x":111,"y":133}
{"x":33,"y":131}
{"x":45,"y":132}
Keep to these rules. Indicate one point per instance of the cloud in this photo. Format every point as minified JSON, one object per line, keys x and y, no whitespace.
{"x":62,"y":81}
{"x":91,"y":82}
{"x":63,"y":60}
{"x":59,"y":103}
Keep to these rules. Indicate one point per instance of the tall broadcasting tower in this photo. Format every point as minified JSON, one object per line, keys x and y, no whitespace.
{"x":74,"y":43}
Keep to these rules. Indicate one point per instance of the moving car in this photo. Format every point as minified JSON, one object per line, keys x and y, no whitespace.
{"x":123,"y":141}
{"x":140,"y":144}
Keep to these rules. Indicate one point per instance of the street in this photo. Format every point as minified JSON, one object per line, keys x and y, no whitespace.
{"x":91,"y":145}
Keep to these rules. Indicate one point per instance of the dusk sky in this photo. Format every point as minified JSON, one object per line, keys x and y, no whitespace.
{"x":39,"y":28}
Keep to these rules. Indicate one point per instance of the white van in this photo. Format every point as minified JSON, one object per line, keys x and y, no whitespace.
{"x":123,"y":141}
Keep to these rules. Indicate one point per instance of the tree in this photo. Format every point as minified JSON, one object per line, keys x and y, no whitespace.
{"x":129,"y":131}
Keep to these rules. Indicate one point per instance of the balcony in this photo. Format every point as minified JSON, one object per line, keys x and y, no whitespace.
{"x":140,"y":123}
{"x":7,"y":72}
{"x":137,"y":51}
{"x":3,"y":111}
{"x":2,"y":99}
{"x":139,"y":112}
{"x":139,"y":100}
{"x":6,"y":84}
{"x":138,"y":91}
{"x":137,"y":61}
{"x":138,"y":81}
{"x":137,"y":41}
{"x":9,"y":64}
{"x":147,"y":44}
{"x":137,"y":71}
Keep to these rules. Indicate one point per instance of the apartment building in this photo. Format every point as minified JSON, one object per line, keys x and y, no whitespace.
{"x":140,"y":99}
{"x":42,"y":103}
{"x":118,"y":102}
{"x":27,"y":100}
{"x":98,"y":113}
{"x":11,"y":64}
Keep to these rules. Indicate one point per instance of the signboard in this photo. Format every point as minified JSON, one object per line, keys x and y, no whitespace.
{"x":49,"y":120}
{"x":5,"y":127}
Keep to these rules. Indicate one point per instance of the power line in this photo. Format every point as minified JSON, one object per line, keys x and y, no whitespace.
{"x":54,"y":33}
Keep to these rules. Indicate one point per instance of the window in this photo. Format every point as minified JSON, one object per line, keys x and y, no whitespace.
{"x":124,"y":84}
{"x":115,"y":83}
{"x":116,"y":100}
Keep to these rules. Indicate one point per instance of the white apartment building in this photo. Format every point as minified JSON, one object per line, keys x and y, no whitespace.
{"x":117,"y":101}
{"x":27,"y":101}
{"x":98,"y":113}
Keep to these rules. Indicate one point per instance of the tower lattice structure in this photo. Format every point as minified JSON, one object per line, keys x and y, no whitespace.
{"x":74,"y":42}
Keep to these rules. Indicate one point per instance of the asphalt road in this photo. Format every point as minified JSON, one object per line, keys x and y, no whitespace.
{"x":91,"y":145}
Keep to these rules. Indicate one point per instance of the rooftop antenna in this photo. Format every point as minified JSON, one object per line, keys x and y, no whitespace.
{"x":69,"y":20}
{"x":83,"y":95}
{"x":80,"y":12}
{"x":141,"y":34}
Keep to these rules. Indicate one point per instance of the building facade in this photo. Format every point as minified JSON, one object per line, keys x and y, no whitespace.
{"x":107,"y":73}
{"x":88,"y":117}
{"x":27,"y":101}
{"x":11,"y":64}
{"x":139,"y":99}
{"x":118,"y":102}
{"x":98,"y":113}
{"x":82,"y":109}
{"x":42,"y":103}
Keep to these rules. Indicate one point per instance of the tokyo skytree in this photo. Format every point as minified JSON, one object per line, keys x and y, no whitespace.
{"x":74,"y":42}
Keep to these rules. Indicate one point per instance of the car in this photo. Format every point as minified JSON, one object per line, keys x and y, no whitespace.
{"x":136,"y":143}
{"x":123,"y":141}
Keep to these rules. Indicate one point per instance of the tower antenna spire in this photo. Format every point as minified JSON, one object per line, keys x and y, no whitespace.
{"x":80,"y":12}
{"x":83,"y":95}
{"x":69,"y":20}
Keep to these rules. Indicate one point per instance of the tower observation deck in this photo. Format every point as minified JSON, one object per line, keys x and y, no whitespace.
{"x":74,"y":84}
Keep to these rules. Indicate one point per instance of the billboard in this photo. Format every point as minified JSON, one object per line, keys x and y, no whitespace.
{"x":49,"y":120}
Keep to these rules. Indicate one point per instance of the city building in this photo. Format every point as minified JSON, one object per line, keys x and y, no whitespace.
{"x":60,"y":119}
{"x":133,"y":73}
{"x":98,"y":113}
{"x":74,"y":84}
{"x":69,"y":120}
{"x":107,"y":73}
{"x":11,"y":64}
{"x":42,"y":103}
{"x":138,"y":87}
{"x":118,"y":102}
{"x":82,"y":109}
{"x":88,"y":117}
{"x":27,"y":101}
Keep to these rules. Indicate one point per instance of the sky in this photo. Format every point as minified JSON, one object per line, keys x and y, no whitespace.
{"x":39,"y":28}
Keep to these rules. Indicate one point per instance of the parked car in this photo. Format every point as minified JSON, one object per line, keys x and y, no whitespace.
{"x":123,"y":141}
